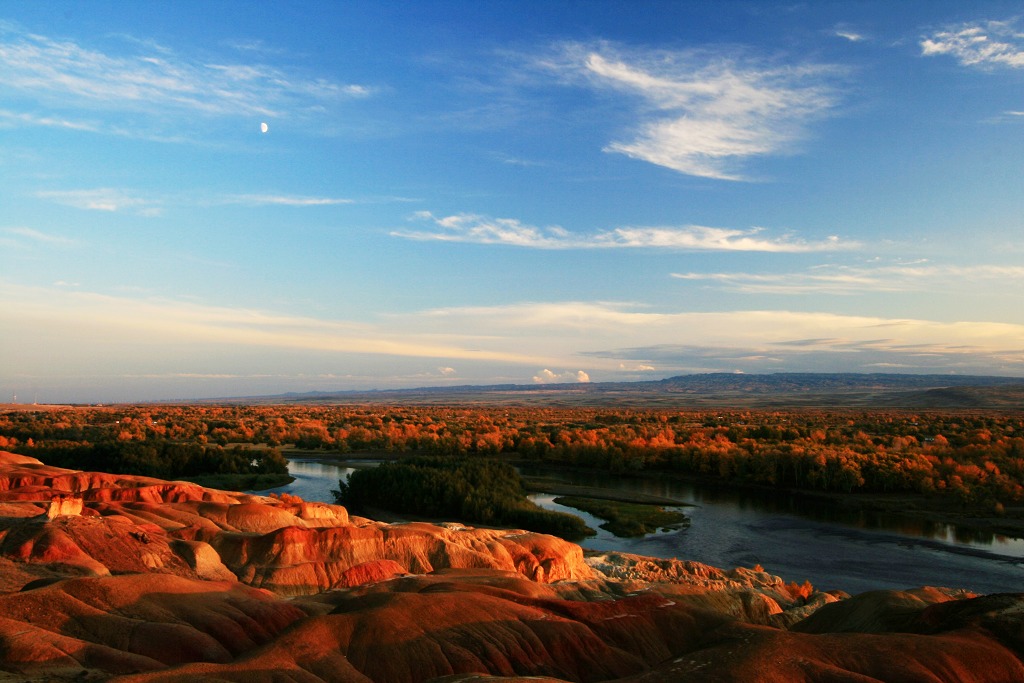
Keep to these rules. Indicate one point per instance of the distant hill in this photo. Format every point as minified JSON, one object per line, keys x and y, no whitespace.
{"x":779,"y":390}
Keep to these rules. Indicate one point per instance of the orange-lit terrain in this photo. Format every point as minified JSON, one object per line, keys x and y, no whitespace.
{"x":965,"y":463}
{"x":134,"y":577}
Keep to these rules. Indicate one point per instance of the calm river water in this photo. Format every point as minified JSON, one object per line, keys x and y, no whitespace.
{"x":796,"y":539}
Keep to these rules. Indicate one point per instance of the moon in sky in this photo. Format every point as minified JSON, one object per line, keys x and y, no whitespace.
{"x":264,"y":127}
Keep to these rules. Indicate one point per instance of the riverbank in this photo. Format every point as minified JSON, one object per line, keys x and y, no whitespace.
{"x":531,"y":484}
{"x":793,"y":537}
{"x":936,"y":510}
{"x":918,"y":507}
{"x":915,"y":506}
{"x":545,"y":485}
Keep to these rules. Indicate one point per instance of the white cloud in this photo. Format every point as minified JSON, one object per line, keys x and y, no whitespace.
{"x":37,"y":236}
{"x":105,"y":199}
{"x":981,"y":44}
{"x":510,"y":231}
{"x":518,"y":161}
{"x":642,"y":367}
{"x":355,"y":90}
{"x":546,"y":376}
{"x":11,"y":118}
{"x":116,"y":199}
{"x":758,"y":342}
{"x":63,"y":329}
{"x":254,"y":45}
{"x":849,"y":35}
{"x":286,"y":200}
{"x":1009,"y":116}
{"x":142,"y":321}
{"x":607,"y":335}
{"x":704,"y":114}
{"x":840,"y":279}
{"x":156,"y":80}
{"x":485,"y":230}
{"x":720,"y":239}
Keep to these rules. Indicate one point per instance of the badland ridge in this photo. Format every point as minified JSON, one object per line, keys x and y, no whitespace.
{"x":128,"y":578}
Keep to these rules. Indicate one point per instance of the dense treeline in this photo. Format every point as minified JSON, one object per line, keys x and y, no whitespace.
{"x":162,"y":459}
{"x":972,"y":458}
{"x":478,"y":491}
{"x":131,"y":441}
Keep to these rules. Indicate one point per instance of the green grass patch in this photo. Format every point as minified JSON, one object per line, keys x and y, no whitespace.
{"x":627,"y":519}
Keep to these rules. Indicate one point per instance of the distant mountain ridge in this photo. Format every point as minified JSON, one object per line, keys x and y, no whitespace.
{"x":777,"y":390}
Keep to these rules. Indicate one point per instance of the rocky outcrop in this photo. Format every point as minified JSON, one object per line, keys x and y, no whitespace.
{"x":105,"y":576}
{"x":128,"y":524}
{"x":749,"y":594}
{"x":61,"y":506}
{"x":296,"y":560}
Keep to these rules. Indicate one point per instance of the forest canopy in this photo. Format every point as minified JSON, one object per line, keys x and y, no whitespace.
{"x":479,"y":491}
{"x":972,"y":459}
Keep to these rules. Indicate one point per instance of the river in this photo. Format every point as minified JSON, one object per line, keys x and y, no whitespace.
{"x":796,"y":539}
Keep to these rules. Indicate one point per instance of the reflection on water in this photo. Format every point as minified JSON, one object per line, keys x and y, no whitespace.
{"x":315,"y":480}
{"x":797,"y":539}
{"x":766,"y":502}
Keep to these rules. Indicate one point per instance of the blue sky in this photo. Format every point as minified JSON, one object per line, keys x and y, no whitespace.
{"x":472,"y":193}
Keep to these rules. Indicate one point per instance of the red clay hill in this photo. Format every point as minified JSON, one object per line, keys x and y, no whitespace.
{"x":112,"y":577}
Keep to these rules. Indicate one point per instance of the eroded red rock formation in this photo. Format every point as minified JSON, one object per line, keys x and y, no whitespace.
{"x":128,"y":524}
{"x":107,"y":576}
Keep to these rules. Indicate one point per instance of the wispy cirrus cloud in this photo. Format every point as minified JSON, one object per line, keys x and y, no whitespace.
{"x":704,"y":113}
{"x":11,"y":118}
{"x":39,"y":237}
{"x":909,"y":344}
{"x":285,"y":200}
{"x":254,"y":45}
{"x":478,"y":229}
{"x":159,"y":321}
{"x":849,"y":34}
{"x":465,"y":227}
{"x":1009,"y":116}
{"x":137,"y":75}
{"x":842,"y":279}
{"x":60,"y":327}
{"x":121,"y":199}
{"x":616,"y":337}
{"x":982,"y":44}
{"x":105,"y":199}
{"x":722,"y":239}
